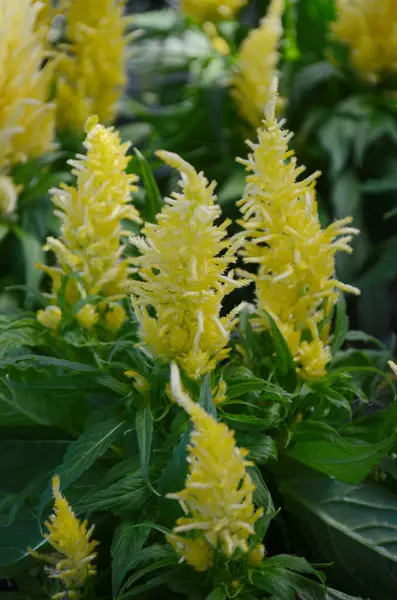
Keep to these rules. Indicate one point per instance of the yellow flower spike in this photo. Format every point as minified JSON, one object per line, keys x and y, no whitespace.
{"x":220,"y":392}
{"x":91,"y":214}
{"x":211,"y":10}
{"x":50,"y":317}
{"x":141,"y":384}
{"x":368,"y":27}
{"x":115,"y":316}
{"x":295,"y":280}
{"x":26,"y":116}
{"x":257,"y":65}
{"x":8,"y":195}
{"x":91,"y":71}
{"x":218,"y":495}
{"x":183,"y":269}
{"x":196,"y":552}
{"x":256,"y":556}
{"x":72,"y":540}
{"x":87,"y":316}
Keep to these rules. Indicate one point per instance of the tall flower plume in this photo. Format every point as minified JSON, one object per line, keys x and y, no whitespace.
{"x":211,"y":10}
{"x":182,"y":267}
{"x":295,"y":281}
{"x":89,"y":250}
{"x":257,"y":65}
{"x":72,"y":565}
{"x":26,"y":116}
{"x":91,"y":70}
{"x":368,"y":27}
{"x":218,"y":495}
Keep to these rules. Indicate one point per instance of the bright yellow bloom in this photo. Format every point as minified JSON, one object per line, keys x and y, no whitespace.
{"x":295,"y":281}
{"x":255,"y":557}
{"x":182,"y":267}
{"x":8,"y":195}
{"x":257,"y":65}
{"x":115,"y":316}
{"x":369,"y":27}
{"x":211,"y":10}
{"x":91,"y":72}
{"x":217,"y":499}
{"x":50,"y":317}
{"x":87,"y":316}
{"x":89,"y":247}
{"x":220,"y":393}
{"x":198,"y":553}
{"x":72,"y":540}
{"x":26,"y":117}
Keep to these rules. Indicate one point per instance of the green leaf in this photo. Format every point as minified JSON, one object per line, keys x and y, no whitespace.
{"x":15,"y":539}
{"x":281,"y":348}
{"x":284,"y":585}
{"x":127,"y":494}
{"x":172,"y":479}
{"x":341,"y":325}
{"x":335,"y":595}
{"x":262,"y":448}
{"x":219,"y":593}
{"x":158,"y":557}
{"x":345,"y":195}
{"x":153,"y":202}
{"x":354,"y":527}
{"x":144,"y":432}
{"x":271,"y":418}
{"x":242,"y":381}
{"x":347,"y":458}
{"x":127,"y":542}
{"x":82,"y":453}
{"x":206,"y":400}
{"x":33,"y":253}
{"x":311,"y":77}
{"x":23,"y":331}
{"x":262,"y":495}
{"x":384,"y":270}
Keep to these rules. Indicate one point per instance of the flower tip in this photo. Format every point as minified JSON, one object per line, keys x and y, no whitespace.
{"x":178,"y":394}
{"x":393,"y":366}
{"x":56,"y":485}
{"x":90,"y":123}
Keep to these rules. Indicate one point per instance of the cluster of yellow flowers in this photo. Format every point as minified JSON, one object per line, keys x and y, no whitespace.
{"x":91,"y":72}
{"x":368,"y":27}
{"x":89,"y":251}
{"x":257,"y":65}
{"x":217,"y":499}
{"x":182,"y":267}
{"x":26,"y":116}
{"x":72,"y":566}
{"x":211,"y":10}
{"x":295,"y":280}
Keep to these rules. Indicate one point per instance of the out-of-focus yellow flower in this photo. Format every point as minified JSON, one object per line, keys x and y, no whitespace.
{"x":393,"y":366}
{"x":141,"y":384}
{"x":183,"y":262}
{"x":368,"y":27}
{"x":217,"y":499}
{"x":257,"y":65}
{"x":220,"y":393}
{"x":87,"y":316}
{"x":217,"y":42}
{"x":50,"y":317}
{"x":211,"y":10}
{"x":256,"y":555}
{"x":89,"y":247}
{"x":26,"y":116}
{"x":91,"y":71}
{"x":8,"y":195}
{"x":72,"y":540}
{"x":295,"y":281}
{"x":115,"y":316}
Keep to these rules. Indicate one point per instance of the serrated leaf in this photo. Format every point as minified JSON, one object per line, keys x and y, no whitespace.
{"x":127,"y":494}
{"x":335,"y":595}
{"x":127,"y":542}
{"x":158,"y":557}
{"x":359,"y":520}
{"x":82,"y":453}
{"x":262,"y":495}
{"x":262,"y":448}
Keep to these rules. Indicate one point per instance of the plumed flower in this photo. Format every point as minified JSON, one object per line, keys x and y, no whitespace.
{"x":26,"y":116}
{"x":91,"y":70}
{"x":89,"y":250}
{"x":211,"y":10}
{"x":218,"y":496}
{"x":295,"y":281}
{"x":257,"y":65}
{"x":183,"y":264}
{"x":369,"y":28}
{"x":72,"y":564}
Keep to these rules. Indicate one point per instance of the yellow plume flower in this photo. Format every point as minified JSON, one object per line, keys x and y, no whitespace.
{"x":26,"y":116}
{"x":91,"y":72}
{"x":257,"y":65}
{"x":89,"y":247}
{"x":368,"y":27}
{"x":182,"y":267}
{"x":217,"y":499}
{"x":50,"y":317}
{"x":211,"y":10}
{"x":295,"y":281}
{"x":72,"y":540}
{"x":8,"y":195}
